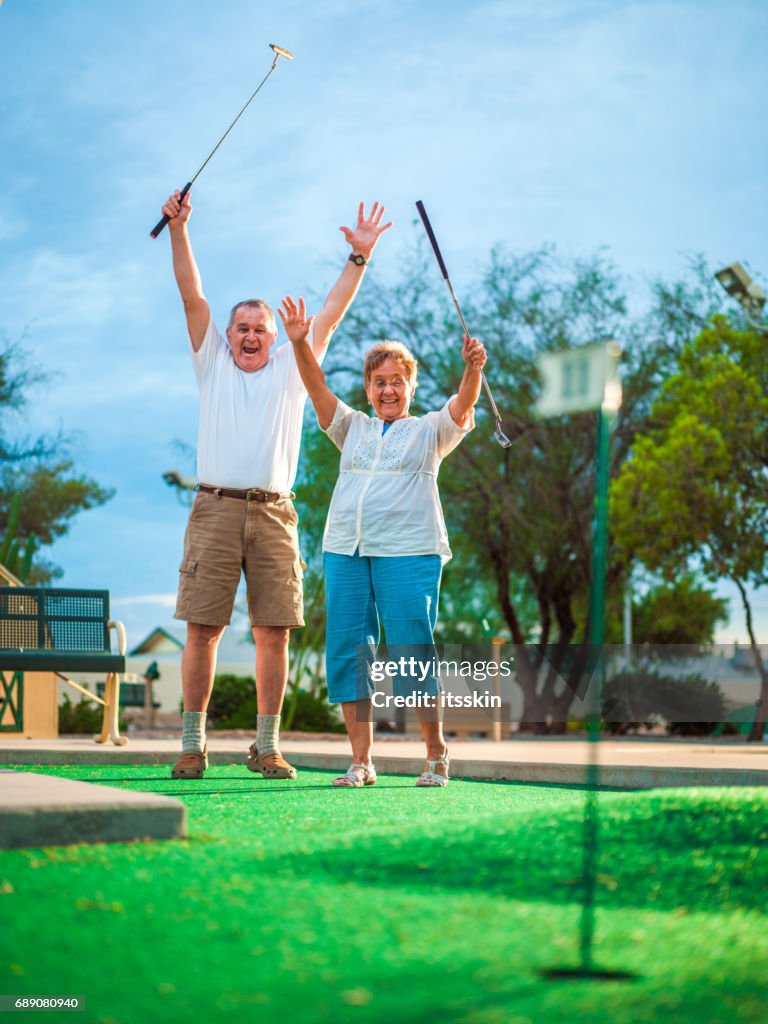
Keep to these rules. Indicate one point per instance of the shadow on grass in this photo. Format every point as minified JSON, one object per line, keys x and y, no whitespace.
{"x":667,"y":851}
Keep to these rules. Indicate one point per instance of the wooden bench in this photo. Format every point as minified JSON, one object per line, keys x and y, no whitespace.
{"x":53,"y":630}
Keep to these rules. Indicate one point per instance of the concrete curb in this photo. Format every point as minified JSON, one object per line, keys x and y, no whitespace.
{"x":611,"y":776}
{"x":105,"y":755}
{"x":43,"y":810}
{"x":574,"y":774}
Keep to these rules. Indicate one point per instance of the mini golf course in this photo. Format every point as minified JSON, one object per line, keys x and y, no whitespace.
{"x":296,"y":902}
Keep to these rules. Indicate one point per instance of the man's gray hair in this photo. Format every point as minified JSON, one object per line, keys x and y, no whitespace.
{"x":252,"y":304}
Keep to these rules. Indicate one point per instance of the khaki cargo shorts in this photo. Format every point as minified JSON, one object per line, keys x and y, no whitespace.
{"x":227,"y":536}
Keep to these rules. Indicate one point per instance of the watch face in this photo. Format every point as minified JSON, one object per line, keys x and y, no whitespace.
{"x":358,"y":259}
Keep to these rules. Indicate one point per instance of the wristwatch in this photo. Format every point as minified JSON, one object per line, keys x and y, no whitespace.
{"x":358,"y":260}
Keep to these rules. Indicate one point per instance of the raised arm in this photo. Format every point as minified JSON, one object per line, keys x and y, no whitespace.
{"x":196,"y":308}
{"x":297,"y":325}
{"x":362,"y":241}
{"x":473,"y":353}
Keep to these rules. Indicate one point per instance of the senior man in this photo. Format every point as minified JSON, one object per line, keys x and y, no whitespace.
{"x":243,"y":520}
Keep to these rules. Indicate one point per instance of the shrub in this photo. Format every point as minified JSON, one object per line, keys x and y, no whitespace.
{"x":689,"y":705}
{"x":83,"y":717}
{"x":233,"y":703}
{"x":233,"y":706}
{"x":315,"y":714}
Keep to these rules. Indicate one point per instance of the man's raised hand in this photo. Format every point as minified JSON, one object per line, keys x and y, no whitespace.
{"x":295,"y":319}
{"x":177,"y":210}
{"x":365,"y":236}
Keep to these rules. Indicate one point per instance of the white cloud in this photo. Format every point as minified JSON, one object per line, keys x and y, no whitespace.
{"x":161,"y":600}
{"x":58,"y":288}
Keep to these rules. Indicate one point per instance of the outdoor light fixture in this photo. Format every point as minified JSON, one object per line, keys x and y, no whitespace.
{"x":174,"y":479}
{"x":737,"y":282}
{"x":185,"y":485}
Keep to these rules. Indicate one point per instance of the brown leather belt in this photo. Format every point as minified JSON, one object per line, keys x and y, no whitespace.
{"x":252,"y":494}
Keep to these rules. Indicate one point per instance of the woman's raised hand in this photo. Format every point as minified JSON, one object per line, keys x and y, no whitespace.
{"x":473,"y":353}
{"x":295,"y":319}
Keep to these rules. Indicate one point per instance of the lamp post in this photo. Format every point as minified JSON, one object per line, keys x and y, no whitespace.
{"x":750,"y":296}
{"x":185,"y":486}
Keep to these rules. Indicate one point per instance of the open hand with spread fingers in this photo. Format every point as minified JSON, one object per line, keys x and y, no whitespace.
{"x":473,"y":353}
{"x":295,"y":319}
{"x":365,"y":236}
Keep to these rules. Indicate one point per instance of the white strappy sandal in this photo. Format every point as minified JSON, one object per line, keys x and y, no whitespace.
{"x":430,"y":776}
{"x":357,"y":775}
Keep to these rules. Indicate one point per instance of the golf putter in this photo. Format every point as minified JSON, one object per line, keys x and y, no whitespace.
{"x":498,"y":435}
{"x":279,"y":51}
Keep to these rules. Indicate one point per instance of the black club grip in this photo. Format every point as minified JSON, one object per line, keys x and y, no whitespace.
{"x":431,"y":236}
{"x":164,"y":220}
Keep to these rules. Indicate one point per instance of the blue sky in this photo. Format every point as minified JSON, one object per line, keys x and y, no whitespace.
{"x":631,"y":124}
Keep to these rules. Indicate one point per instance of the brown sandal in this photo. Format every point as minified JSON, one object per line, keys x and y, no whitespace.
{"x":270,"y":766}
{"x":191,"y":765}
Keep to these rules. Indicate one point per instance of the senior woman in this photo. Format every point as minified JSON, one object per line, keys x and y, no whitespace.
{"x":385,"y":539}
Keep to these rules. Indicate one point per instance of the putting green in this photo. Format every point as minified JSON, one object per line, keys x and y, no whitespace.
{"x":295,"y":902}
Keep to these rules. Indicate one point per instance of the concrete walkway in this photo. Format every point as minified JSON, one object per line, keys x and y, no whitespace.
{"x":626,"y":763}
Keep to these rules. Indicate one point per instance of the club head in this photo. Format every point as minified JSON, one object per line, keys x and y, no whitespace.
{"x":501,"y":438}
{"x":281,"y":51}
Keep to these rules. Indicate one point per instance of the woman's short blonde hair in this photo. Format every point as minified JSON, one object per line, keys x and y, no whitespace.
{"x":390,"y":350}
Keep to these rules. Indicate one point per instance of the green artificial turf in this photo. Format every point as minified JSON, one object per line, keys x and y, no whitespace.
{"x":296,"y":903}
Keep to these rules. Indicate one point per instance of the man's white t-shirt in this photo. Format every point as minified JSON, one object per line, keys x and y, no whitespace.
{"x":250,"y":423}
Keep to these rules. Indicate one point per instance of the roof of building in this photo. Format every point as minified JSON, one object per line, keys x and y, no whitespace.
{"x":235,"y":648}
{"x":160,"y":641}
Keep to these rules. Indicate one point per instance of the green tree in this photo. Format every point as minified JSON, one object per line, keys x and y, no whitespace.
{"x":16,"y":380}
{"x":40,"y":488}
{"x":682,"y":613}
{"x":695,"y":491}
{"x":15,"y":558}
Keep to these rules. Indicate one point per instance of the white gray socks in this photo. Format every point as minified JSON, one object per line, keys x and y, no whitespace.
{"x":193,"y":732}
{"x":267,"y":734}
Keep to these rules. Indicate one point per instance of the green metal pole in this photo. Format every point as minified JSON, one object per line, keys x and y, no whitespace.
{"x":600,"y":530}
{"x":594,"y":705}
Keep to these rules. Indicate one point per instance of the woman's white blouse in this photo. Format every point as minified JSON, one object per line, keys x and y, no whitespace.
{"x":386,"y":500}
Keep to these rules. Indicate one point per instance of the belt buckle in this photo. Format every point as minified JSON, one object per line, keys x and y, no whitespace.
{"x":254,"y":494}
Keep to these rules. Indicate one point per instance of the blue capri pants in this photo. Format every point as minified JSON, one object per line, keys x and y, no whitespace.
{"x":401,"y":591}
